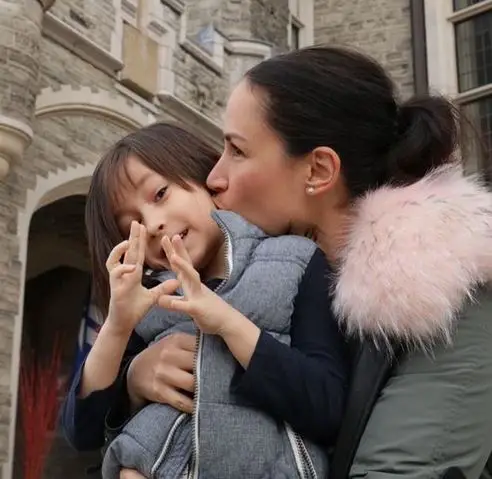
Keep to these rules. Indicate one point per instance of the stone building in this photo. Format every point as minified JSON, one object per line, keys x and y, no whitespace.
{"x":75,"y":75}
{"x":444,"y":46}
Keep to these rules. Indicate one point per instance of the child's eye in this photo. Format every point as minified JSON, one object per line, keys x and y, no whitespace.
{"x":160,"y":194}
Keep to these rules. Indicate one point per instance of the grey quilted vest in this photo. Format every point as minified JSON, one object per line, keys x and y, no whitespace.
{"x":226,"y":438}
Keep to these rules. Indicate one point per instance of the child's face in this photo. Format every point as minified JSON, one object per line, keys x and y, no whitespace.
{"x":167,"y":209}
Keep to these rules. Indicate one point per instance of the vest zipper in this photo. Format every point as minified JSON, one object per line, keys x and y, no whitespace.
{"x":304,"y":464}
{"x":167,"y":444}
{"x":193,"y":473}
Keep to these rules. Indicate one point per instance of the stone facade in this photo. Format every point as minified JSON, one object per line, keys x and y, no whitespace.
{"x":71,"y":84}
{"x":380,"y":28}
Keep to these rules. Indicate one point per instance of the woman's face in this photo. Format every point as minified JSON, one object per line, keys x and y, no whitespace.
{"x":254,"y":176}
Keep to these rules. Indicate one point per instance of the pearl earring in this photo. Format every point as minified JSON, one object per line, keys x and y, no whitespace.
{"x":310,"y":190}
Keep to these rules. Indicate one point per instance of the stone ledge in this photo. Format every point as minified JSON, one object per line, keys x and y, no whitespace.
{"x":201,"y":55}
{"x":177,"y":5}
{"x":192,"y":118}
{"x":254,"y":48}
{"x":99,"y":103}
{"x":80,"y":45}
{"x":15,"y":137}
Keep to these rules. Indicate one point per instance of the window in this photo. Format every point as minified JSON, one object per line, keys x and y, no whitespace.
{"x":473,"y":42}
{"x":300,"y":28}
{"x":474,"y":51}
{"x":459,"y":4}
{"x":478,"y":136}
{"x":459,"y":61}
{"x":295,"y":31}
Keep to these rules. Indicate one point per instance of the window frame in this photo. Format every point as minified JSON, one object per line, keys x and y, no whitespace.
{"x":440,"y":22}
{"x":301,"y":16}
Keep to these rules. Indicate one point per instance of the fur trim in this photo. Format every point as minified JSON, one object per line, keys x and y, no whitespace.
{"x":414,"y":255}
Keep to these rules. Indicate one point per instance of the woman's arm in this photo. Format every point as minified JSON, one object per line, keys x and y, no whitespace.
{"x":304,"y":384}
{"x":162,"y":373}
{"x":82,"y":418}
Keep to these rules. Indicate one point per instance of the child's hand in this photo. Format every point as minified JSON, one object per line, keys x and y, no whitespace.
{"x":130,"y":300}
{"x":209,"y":311}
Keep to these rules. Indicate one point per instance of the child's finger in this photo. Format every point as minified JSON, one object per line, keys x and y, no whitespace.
{"x":166,"y":288}
{"x":122,"y":269}
{"x":131,"y":256}
{"x":142,"y":245}
{"x":167,"y":247}
{"x":180,"y":248}
{"x":115,"y":256}
{"x":180,"y":401}
{"x":175,"y":303}
{"x":186,"y":273}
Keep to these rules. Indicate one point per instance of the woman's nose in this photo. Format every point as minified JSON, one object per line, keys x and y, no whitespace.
{"x":217,"y":181}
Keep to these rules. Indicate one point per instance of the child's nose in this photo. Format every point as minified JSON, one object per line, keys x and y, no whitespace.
{"x":156,"y":229}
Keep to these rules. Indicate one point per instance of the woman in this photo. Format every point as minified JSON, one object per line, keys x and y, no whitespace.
{"x":317,"y":140}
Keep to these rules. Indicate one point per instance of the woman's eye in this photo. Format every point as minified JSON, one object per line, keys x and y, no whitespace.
{"x":236,"y":151}
{"x":160,"y":194}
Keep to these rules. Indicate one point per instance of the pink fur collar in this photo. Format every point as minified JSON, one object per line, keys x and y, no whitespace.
{"x":414,"y":255}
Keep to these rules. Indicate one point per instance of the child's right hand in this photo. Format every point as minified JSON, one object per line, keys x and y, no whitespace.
{"x":130,"y":300}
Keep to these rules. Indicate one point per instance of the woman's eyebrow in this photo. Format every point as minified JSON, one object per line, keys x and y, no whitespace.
{"x":231,"y":136}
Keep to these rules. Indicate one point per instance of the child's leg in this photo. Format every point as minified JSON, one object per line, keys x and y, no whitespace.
{"x":130,"y":474}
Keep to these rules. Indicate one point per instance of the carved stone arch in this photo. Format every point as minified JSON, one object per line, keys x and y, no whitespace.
{"x":84,"y":101}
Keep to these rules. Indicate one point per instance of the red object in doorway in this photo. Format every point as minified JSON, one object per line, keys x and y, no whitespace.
{"x":39,"y":408}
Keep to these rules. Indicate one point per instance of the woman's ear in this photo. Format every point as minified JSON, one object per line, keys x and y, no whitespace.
{"x":324,"y":170}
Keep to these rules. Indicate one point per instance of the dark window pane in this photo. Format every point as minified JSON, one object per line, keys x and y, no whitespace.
{"x":460,"y":4}
{"x":474,"y":49}
{"x":294,"y":32}
{"x":477,"y":146}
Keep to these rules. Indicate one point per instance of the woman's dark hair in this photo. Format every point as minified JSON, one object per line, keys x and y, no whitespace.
{"x":337,"y":97}
{"x":167,"y":149}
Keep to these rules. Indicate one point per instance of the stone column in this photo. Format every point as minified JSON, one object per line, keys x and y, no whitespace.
{"x":20,"y":34}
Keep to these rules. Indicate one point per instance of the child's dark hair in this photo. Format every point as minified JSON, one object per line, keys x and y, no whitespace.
{"x":169,"y":150}
{"x":338,"y":97}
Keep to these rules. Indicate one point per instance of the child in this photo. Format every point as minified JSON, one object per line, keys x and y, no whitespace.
{"x":270,"y":359}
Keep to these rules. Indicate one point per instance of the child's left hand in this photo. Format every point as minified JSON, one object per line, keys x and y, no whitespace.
{"x":208,"y":310}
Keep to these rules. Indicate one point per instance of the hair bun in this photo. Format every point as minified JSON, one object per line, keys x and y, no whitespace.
{"x":427,"y":136}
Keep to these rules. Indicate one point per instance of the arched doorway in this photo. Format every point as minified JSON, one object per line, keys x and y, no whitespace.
{"x":56,"y":289}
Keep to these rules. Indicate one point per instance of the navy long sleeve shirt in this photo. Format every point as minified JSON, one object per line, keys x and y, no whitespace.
{"x":303,"y":384}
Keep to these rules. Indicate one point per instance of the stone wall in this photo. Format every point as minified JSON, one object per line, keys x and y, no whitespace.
{"x":207,"y":88}
{"x":61,"y":67}
{"x":380,"y":28}
{"x":232,"y":17}
{"x":93,"y":18}
{"x":20,"y":31}
{"x":199,"y":85}
{"x":269,"y":22}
